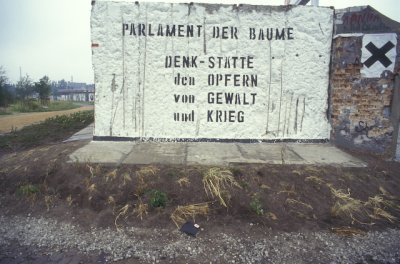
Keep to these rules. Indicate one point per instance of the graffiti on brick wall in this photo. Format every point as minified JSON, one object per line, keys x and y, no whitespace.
{"x":363,"y":128}
{"x":361,"y":18}
{"x":366,"y":20}
{"x":378,"y":54}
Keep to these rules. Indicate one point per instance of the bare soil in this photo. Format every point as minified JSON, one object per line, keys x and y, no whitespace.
{"x":18,"y":121}
{"x":289,"y":197}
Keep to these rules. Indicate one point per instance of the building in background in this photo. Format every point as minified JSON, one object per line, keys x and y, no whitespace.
{"x":72,"y":91}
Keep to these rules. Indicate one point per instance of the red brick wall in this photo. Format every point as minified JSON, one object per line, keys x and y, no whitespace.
{"x":359,"y":107}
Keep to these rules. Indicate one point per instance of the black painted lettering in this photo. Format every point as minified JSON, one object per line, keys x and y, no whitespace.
{"x":231,"y":116}
{"x":280,"y":35}
{"x":210,"y":97}
{"x":218,"y":116}
{"x":261,"y":35}
{"x":244,"y":99}
{"x":224,"y":33}
{"x":211,"y":63}
{"x":142,"y":28}
{"x":252,"y":32}
{"x":177,"y":61}
{"x":254,"y":97}
{"x":168,"y":61}
{"x":215,"y":32}
{"x":194,"y":64}
{"x":124,"y":28}
{"x":133,"y":30}
{"x":211,"y":79}
{"x":250,"y":62}
{"x":270,"y":33}
{"x":199,"y":30}
{"x":189,"y":31}
{"x":240,"y":116}
{"x":170,"y":31}
{"x":228,"y":98}
{"x":234,"y":32}
{"x":150,"y":33}
{"x":236,"y":80}
{"x":246,"y":80}
{"x":160,"y":30}
{"x":290,"y":33}
{"x":219,"y":98}
{"x":227,"y":79}
{"x":237,"y":99}
{"x":181,"y":31}
{"x":185,"y":62}
{"x":209,"y":115}
{"x":253,"y":80}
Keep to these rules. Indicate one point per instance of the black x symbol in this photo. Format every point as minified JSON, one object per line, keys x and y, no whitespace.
{"x":378,"y":54}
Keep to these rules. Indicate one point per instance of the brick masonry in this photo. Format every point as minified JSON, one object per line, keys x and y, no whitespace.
{"x":361,"y":109}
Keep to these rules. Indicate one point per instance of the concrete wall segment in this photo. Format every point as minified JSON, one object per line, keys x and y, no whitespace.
{"x":137,"y":95}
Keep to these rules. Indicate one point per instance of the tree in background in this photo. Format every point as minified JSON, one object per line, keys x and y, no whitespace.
{"x":24,"y":88}
{"x":5,"y":95}
{"x":43,"y":88}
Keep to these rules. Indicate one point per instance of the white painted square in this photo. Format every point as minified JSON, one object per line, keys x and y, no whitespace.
{"x":378,"y":40}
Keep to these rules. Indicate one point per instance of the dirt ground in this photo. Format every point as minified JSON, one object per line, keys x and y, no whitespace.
{"x":279,"y":197}
{"x":18,"y":121}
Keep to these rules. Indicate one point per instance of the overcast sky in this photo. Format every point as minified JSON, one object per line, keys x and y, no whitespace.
{"x":52,"y":37}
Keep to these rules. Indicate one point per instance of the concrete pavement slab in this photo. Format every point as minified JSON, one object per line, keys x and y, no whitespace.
{"x":84,"y":134}
{"x":212,"y":153}
{"x":102,"y":152}
{"x":323,"y":154}
{"x":157,"y":153}
{"x":267,"y":153}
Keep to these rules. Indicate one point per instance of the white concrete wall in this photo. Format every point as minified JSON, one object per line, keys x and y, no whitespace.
{"x":397,"y":157}
{"x":136,"y":94}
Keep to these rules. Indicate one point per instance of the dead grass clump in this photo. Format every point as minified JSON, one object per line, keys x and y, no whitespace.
{"x":142,"y":178}
{"x":296,"y":202}
{"x":216,"y":182}
{"x":271,"y":216}
{"x":183,"y":213}
{"x":111,"y":201}
{"x":313,"y":169}
{"x":379,"y":201}
{"x":346,"y":206}
{"x":49,"y":201}
{"x":141,"y":209}
{"x":315,"y":179}
{"x":126,"y":178}
{"x":288,"y":189}
{"x":379,"y":213}
{"x":147,"y":171}
{"x":347,"y":231}
{"x":94,"y":171}
{"x":122,"y":212}
{"x":387,"y":194}
{"x":112,"y":175}
{"x":184,"y":181}
{"x":375,"y":208}
{"x":299,"y":173}
{"x":69,"y":200}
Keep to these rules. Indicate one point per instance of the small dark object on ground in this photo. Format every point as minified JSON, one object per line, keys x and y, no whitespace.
{"x":190,"y":229}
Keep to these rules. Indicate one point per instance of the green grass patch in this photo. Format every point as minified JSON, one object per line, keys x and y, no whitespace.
{"x":51,"y":130}
{"x":28,"y":190}
{"x":35,"y":106}
{"x":158,"y":198}
{"x":256,"y":205}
